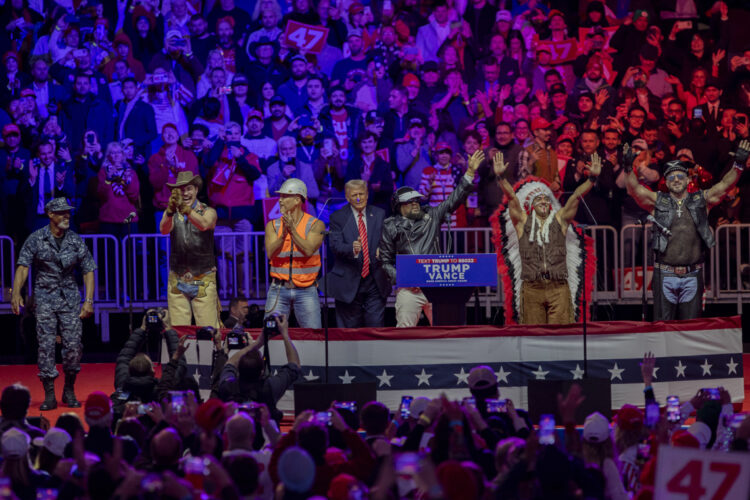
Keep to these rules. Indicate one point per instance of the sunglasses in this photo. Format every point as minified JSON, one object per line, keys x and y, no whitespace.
{"x":678,"y":177}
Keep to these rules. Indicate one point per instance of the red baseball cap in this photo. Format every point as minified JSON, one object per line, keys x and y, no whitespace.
{"x":254,"y":113}
{"x":540,"y":122}
{"x":684,"y":438}
{"x":410,"y":79}
{"x":27,"y":93}
{"x":442,"y":146}
{"x":9,"y":54}
{"x":97,"y":405}
{"x":10,"y":128}
{"x":210,"y":414}
{"x":629,"y":417}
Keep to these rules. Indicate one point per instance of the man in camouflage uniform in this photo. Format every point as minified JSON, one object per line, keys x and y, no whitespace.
{"x":56,"y":252}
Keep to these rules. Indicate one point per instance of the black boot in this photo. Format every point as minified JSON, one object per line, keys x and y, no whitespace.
{"x":69,"y":396}
{"x":50,"y":403}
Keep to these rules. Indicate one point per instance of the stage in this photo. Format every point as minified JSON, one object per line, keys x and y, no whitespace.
{"x":428,"y":361}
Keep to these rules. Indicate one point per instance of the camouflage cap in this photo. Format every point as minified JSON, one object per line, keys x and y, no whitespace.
{"x":58,"y":205}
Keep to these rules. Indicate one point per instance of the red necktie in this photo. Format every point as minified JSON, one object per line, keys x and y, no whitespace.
{"x":365,"y":248}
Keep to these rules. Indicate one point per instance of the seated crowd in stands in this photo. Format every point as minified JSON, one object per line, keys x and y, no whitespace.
{"x":107,"y":102}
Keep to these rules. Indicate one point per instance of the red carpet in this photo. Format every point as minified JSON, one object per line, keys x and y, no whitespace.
{"x":101,"y":376}
{"x":93,"y":377}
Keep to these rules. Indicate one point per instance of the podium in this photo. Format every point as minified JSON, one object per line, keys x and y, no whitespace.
{"x":447,"y":281}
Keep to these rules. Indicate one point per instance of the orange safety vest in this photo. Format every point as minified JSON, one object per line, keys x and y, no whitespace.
{"x":304,"y":269}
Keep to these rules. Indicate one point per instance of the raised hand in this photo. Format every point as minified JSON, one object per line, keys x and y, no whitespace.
{"x":647,"y":367}
{"x":717,"y":56}
{"x":601,"y":97}
{"x":499,"y":165}
{"x":742,"y":153}
{"x":174,"y":202}
{"x":475,"y":160}
{"x":182,"y":348}
{"x":595,"y":167}
{"x":505,"y":92}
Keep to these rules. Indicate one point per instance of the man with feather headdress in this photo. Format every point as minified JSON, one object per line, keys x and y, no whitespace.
{"x":541,"y":254}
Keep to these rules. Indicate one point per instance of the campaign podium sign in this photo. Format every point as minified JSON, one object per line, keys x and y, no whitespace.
{"x":447,"y":280}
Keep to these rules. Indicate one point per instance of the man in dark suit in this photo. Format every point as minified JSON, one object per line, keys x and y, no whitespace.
{"x":49,"y":95}
{"x":46,"y":179}
{"x":713,"y":107}
{"x":238,"y":310}
{"x":135,"y":119}
{"x":357,"y":282}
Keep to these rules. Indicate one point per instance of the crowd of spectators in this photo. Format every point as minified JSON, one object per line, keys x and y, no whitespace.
{"x":150,"y":440}
{"x":106,"y":102}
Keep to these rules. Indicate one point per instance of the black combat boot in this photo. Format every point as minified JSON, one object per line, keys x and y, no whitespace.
{"x":69,"y":396}
{"x":50,"y":403}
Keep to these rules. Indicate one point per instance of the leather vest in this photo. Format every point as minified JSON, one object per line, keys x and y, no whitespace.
{"x":191,"y":250}
{"x":665,"y":211}
{"x":543,"y":262}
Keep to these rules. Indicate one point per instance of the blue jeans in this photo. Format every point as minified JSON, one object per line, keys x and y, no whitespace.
{"x":304,"y":300}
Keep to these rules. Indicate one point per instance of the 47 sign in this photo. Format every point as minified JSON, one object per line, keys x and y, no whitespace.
{"x":305,"y":37}
{"x":562,"y":51}
{"x":690,"y":474}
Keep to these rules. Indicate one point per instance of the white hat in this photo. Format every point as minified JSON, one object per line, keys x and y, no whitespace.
{"x":15,"y":443}
{"x":596,"y":428}
{"x":293,"y":186}
{"x":55,"y":441}
{"x":702,"y":433}
{"x":418,"y":406}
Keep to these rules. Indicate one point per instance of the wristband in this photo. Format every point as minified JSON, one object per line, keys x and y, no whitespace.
{"x":593,"y":178}
{"x":739,"y":167}
{"x":89,"y":301}
{"x":424,"y":420}
{"x":647,"y":388}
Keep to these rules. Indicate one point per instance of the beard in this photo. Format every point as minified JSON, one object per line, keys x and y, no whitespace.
{"x":415,"y":215}
{"x":678,"y":190}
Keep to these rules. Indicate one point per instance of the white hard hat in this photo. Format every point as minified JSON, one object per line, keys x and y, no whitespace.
{"x":293,"y":186}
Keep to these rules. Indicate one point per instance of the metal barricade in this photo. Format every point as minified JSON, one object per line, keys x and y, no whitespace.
{"x":105,"y":250}
{"x":732,"y":262}
{"x":145,"y":269}
{"x":242,"y":267}
{"x":607,"y":278}
{"x":635,"y":256}
{"x":7,"y":266}
{"x":467,"y":240}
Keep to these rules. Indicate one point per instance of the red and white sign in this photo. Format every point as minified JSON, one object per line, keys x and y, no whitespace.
{"x":689,"y":474}
{"x":609,"y":32}
{"x":634,"y":281}
{"x":305,"y":37}
{"x":384,"y":154}
{"x":562,"y":51}
{"x":271,"y":209}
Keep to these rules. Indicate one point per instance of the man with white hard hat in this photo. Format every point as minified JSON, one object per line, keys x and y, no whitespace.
{"x":293,"y":246}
